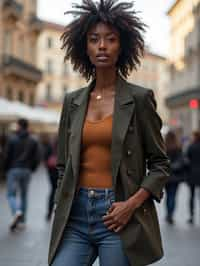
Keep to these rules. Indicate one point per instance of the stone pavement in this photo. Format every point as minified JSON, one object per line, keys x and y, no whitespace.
{"x":29,"y":247}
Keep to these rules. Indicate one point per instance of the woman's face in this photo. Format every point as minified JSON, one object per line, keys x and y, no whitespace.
{"x":103,"y":45}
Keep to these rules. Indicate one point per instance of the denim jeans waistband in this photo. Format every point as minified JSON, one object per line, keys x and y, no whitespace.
{"x":95,"y":192}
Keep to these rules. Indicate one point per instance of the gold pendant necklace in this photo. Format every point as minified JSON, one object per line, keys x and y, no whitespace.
{"x":99,"y":97}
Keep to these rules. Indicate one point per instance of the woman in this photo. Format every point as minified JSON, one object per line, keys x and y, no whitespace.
{"x":108,"y":131}
{"x":174,"y":153}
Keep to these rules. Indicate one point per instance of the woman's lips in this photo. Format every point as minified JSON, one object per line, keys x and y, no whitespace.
{"x":102,"y":57}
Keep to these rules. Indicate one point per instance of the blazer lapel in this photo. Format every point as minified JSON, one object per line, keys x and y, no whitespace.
{"x":123,"y":110}
{"x":78,"y":112}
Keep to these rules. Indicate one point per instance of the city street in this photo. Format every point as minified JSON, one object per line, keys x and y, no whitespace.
{"x":29,"y":247}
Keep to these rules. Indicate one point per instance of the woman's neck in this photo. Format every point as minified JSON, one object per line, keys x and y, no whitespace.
{"x":105,"y":79}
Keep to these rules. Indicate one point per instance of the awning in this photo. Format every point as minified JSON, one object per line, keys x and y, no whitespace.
{"x":10,"y":111}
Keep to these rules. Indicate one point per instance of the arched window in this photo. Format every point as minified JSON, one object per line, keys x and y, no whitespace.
{"x":49,"y":92}
{"x":49,"y":43}
{"x":21,"y":96}
{"x":49,"y":66}
{"x":7,"y":42}
{"x":9,"y":93}
{"x":31,"y":99}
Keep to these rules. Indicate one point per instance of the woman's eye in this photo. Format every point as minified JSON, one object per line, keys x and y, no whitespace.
{"x":111,"y":39}
{"x":93,"y":39}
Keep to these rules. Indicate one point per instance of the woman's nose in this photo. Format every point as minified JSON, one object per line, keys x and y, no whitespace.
{"x":102,"y":44}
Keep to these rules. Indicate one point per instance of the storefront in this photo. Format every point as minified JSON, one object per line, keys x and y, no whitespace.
{"x":185,"y":111}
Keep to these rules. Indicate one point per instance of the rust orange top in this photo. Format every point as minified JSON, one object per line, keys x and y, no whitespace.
{"x":95,"y":160}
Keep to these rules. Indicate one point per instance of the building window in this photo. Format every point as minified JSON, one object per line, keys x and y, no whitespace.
{"x":7,"y":42}
{"x":49,"y":66}
{"x":32,"y":51}
{"x":65,"y":69}
{"x":49,"y":92}
{"x":31,"y":99}
{"x":9,"y":93}
{"x":33,"y":7}
{"x":21,"y":96}
{"x":49,"y":43}
{"x":21,"y":47}
{"x":65,"y":88}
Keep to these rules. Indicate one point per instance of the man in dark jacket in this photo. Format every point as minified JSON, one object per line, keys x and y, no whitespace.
{"x":20,"y":156}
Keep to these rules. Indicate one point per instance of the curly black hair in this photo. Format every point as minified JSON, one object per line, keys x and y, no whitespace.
{"x":121,"y":16}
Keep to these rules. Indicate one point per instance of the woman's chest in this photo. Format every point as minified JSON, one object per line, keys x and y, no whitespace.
{"x":99,"y":109}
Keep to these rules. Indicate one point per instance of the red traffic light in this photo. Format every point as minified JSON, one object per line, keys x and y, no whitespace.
{"x":194,"y":104}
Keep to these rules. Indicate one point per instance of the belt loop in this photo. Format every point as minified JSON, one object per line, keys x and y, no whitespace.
{"x":106,"y":193}
{"x":77,"y":191}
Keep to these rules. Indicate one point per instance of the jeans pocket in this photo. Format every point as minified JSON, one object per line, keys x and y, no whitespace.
{"x":109,"y":201}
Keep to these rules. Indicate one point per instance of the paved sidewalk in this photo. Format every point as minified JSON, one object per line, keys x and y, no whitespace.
{"x":29,"y":248}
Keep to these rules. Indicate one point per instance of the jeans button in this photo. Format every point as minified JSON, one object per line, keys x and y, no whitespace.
{"x":91,"y":193}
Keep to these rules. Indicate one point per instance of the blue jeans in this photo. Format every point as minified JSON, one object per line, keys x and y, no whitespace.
{"x":17,"y":187}
{"x":171,"y":191}
{"x":86,"y":237}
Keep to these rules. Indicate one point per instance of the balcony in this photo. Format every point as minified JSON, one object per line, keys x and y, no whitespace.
{"x":35,"y":24}
{"x":12,"y":9}
{"x":15,"y":67}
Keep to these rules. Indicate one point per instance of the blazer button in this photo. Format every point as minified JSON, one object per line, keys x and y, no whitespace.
{"x":129,"y":152}
{"x":144,"y":210}
{"x":129,"y":172}
{"x":131,"y":128}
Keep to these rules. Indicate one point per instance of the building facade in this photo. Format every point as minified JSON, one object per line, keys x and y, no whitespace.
{"x":184,"y":98}
{"x":19,"y":31}
{"x":58,"y":77}
{"x":154,"y":74}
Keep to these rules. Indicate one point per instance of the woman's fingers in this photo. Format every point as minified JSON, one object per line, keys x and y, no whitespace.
{"x":109,"y":222}
{"x":119,"y":228}
{"x":112,"y":223}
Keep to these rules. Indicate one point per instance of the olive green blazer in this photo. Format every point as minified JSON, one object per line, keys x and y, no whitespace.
{"x":138,"y":160}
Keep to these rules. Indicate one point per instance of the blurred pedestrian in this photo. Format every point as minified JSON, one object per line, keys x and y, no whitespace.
{"x":193,"y":177}
{"x":2,"y":155}
{"x":177,"y":174}
{"x":50,"y":158}
{"x":20,"y":159}
{"x":108,"y":131}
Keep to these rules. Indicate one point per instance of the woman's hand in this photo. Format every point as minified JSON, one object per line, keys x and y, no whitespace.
{"x":118,"y":215}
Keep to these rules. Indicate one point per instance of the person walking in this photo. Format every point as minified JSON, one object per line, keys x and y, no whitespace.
{"x":109,"y":132}
{"x":20,"y":159}
{"x":177,"y":175}
{"x":193,"y":177}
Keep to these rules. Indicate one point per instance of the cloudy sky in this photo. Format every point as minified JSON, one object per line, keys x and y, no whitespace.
{"x":153,"y":13}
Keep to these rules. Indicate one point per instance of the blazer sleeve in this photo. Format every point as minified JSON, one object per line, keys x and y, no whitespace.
{"x":62,"y":148}
{"x":154,"y":148}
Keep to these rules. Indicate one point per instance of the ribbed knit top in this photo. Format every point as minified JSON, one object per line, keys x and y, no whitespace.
{"x":95,"y":160}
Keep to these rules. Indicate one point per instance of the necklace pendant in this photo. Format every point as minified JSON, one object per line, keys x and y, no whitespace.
{"x":98,"y":97}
